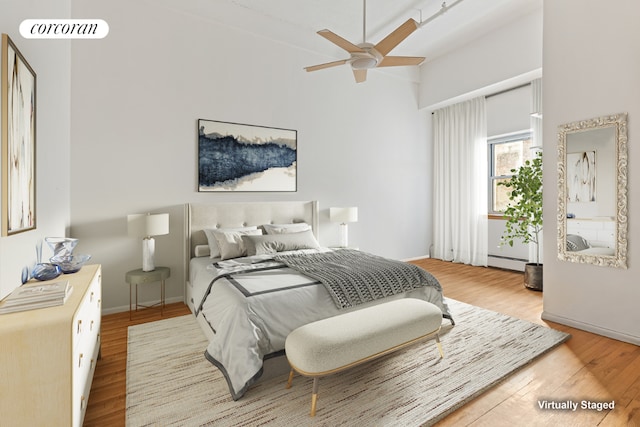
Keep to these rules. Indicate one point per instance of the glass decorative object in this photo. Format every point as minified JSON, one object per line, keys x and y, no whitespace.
{"x":69,"y":263}
{"x":62,"y":246}
{"x":45,"y":271}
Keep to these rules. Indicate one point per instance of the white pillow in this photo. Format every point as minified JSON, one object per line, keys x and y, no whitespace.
{"x":231,"y":244}
{"x":214,"y":249}
{"x":202,"y":251}
{"x":286,"y":228}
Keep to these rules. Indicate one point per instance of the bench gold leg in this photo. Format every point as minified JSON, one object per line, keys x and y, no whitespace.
{"x":290,"y":379}
{"x":314,"y":397}
{"x":439,"y":346}
{"x":314,"y":400}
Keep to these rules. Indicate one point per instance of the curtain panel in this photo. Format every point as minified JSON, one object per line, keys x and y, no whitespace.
{"x":460,"y":183}
{"x":536,"y":134}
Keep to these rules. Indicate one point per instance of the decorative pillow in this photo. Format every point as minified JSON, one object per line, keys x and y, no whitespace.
{"x":272,"y":243}
{"x":298,"y":227}
{"x":576,"y":243}
{"x":214,"y":249}
{"x":202,"y":250}
{"x":230,"y":243}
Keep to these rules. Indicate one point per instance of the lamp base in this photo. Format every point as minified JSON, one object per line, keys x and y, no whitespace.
{"x":344,"y":235}
{"x":148,"y":252}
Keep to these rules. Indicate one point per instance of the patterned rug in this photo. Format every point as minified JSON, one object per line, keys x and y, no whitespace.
{"x":170,"y":383}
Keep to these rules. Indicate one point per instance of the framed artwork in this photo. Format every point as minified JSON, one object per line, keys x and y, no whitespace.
{"x":581,"y":176}
{"x":18,"y":130}
{"x":238,"y":157}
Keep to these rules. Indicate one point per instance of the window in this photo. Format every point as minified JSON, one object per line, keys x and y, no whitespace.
{"x":506,"y":152}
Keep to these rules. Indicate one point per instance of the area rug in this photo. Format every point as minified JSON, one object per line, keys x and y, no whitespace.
{"x":170,"y":383}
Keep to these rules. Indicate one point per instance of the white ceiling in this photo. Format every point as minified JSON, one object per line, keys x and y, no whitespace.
{"x":296,"y":22}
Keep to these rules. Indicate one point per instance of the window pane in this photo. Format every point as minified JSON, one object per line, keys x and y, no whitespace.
{"x":500,"y":195}
{"x":506,"y":153}
{"x":510,"y":155}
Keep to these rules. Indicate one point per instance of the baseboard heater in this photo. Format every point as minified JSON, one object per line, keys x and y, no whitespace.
{"x":507,"y":262}
{"x":509,"y":258}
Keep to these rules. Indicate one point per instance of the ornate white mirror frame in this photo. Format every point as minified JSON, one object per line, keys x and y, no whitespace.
{"x":607,"y":227}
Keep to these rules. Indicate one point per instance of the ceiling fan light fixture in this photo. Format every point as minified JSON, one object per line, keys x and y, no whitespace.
{"x":364,"y":63}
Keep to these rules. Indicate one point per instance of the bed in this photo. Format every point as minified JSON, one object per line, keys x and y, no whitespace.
{"x":268,"y":275}
{"x":580,"y":245}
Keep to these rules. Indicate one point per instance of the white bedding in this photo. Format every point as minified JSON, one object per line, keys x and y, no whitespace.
{"x":250,"y":321}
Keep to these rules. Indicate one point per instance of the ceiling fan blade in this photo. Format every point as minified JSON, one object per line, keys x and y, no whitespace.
{"x":360,"y":75}
{"x":393,"y":61}
{"x":339,"y":41}
{"x":325,"y":65}
{"x":399,"y":34}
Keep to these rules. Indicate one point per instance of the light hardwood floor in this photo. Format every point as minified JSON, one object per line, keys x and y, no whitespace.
{"x":108,"y":392}
{"x":588,"y":367}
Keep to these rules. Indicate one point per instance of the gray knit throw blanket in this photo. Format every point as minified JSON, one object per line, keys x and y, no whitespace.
{"x":353,"y":277}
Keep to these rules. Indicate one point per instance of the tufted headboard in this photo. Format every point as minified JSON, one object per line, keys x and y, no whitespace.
{"x":223,"y":215}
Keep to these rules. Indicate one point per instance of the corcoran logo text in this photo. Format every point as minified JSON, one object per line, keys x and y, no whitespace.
{"x":64,"y":29}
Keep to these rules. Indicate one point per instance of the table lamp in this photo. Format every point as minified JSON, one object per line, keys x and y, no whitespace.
{"x":147,"y":226}
{"x":343,"y":216}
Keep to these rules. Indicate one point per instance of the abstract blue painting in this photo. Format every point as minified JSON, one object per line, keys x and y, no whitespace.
{"x":239,"y":157}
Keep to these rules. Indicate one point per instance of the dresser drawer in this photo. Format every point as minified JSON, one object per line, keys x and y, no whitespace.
{"x":86,"y":347}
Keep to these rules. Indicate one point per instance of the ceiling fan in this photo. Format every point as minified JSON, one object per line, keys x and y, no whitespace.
{"x":365,"y":56}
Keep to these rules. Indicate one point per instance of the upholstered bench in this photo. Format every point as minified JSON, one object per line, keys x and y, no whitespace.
{"x":346,"y":340}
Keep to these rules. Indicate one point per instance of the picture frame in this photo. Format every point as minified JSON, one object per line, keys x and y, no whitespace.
{"x":18,"y":134}
{"x":234,"y":157}
{"x":581,"y":176}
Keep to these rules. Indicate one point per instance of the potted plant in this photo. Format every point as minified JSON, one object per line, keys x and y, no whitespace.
{"x":524,"y":214}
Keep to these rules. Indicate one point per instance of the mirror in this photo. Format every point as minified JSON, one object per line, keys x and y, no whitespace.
{"x":592,"y":191}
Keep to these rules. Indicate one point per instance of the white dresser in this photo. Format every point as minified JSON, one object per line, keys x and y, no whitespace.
{"x":598,"y":232}
{"x":48,"y":356}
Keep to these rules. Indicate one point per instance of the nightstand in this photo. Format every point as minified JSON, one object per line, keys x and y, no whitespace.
{"x":140,"y":277}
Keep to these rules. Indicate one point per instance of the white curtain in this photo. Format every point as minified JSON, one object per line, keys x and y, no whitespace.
{"x":536,"y":135}
{"x":536,"y":113}
{"x":460,"y":183}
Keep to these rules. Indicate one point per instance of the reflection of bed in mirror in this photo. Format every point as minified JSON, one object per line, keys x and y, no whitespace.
{"x":591,"y":236}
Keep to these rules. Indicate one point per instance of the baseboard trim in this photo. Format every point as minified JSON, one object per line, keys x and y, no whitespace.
{"x":415,"y":258}
{"x":120,"y":309}
{"x":609,"y":333}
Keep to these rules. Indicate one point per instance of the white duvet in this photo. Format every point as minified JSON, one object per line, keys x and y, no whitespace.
{"x":250,"y":315}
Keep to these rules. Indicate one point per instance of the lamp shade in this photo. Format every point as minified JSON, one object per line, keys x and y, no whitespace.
{"x":343,"y":215}
{"x":146,"y":225}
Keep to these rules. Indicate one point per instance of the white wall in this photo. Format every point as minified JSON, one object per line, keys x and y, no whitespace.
{"x":603,"y":143}
{"x":506,"y":57}
{"x":588,"y":74}
{"x":136,"y":97}
{"x":50,"y":59}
